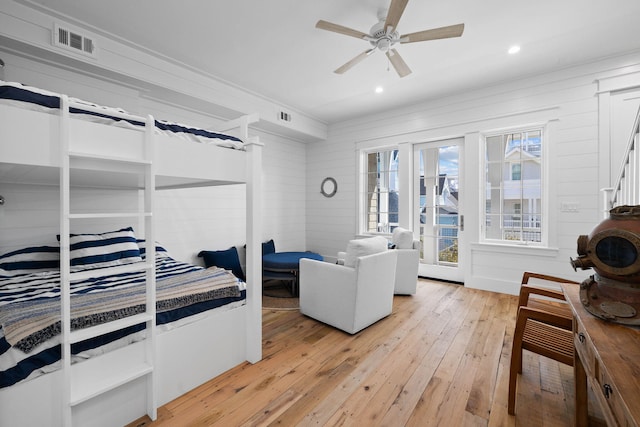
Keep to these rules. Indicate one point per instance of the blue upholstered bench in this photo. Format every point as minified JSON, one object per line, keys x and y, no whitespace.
{"x":285,"y":266}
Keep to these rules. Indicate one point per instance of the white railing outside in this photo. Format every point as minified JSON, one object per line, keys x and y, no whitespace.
{"x":626,"y":189}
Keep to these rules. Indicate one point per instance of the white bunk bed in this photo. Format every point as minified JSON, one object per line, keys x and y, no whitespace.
{"x":61,"y":145}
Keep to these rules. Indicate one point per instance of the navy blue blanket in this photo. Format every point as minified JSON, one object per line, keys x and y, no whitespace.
{"x":17,"y":92}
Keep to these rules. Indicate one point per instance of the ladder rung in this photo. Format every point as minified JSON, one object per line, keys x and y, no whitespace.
{"x":115,"y":159}
{"x":105,"y":328}
{"x":77,"y":276}
{"x":110,"y":215}
{"x":85,"y":391}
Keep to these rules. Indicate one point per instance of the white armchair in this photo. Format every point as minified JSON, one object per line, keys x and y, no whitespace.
{"x":349,"y":297}
{"x":408,"y":250}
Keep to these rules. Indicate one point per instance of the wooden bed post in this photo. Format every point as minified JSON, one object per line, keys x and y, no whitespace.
{"x":254,"y":249}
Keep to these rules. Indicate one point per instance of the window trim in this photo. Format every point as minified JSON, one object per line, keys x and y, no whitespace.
{"x":513,"y":172}
{"x":362,"y":173}
{"x":545,"y":197}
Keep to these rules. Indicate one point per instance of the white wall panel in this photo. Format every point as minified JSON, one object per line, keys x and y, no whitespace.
{"x":331,"y":222}
{"x":29,"y":215}
{"x":568,"y":97}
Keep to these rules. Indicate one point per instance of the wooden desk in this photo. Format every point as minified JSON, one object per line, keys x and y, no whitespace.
{"x":607,"y":358}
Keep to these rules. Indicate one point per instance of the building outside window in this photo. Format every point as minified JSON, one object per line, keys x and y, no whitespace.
{"x":381,"y":191}
{"x":516,"y":171}
{"x":513,"y":187}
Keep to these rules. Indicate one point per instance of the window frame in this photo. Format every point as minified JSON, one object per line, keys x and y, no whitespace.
{"x":515,"y":172}
{"x":545,"y":196}
{"x":363,"y":173}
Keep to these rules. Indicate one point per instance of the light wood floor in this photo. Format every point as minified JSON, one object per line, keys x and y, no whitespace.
{"x":441,"y":359}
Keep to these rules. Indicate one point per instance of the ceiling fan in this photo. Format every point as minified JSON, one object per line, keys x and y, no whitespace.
{"x":383,"y":36}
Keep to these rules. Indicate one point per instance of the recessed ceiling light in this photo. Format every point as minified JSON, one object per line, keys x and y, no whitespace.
{"x":379,"y":89}
{"x":514,"y":49}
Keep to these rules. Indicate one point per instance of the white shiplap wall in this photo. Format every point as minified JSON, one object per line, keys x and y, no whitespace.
{"x":567,"y":100}
{"x":298,"y":217}
{"x":187,"y":220}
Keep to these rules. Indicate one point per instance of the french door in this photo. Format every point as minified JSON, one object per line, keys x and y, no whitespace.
{"x":437,"y":174}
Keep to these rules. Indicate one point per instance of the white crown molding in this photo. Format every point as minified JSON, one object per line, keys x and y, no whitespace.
{"x":30,"y":25}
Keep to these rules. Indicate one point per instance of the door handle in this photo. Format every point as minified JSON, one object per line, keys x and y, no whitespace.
{"x":461,"y":222}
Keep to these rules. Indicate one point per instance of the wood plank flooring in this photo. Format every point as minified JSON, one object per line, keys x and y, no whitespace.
{"x":441,"y":359}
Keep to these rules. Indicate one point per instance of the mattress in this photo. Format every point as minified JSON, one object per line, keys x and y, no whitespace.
{"x":41,"y":100}
{"x":183,"y":292}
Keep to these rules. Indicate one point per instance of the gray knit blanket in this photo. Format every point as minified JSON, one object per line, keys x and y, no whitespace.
{"x":30,"y":306}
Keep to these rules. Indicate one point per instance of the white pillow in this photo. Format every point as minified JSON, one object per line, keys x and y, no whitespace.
{"x":402,"y":238}
{"x":361,"y":247}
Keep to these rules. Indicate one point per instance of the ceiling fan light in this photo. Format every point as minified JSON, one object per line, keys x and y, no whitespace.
{"x":514,"y":49}
{"x":384,"y":44}
{"x":383,"y":36}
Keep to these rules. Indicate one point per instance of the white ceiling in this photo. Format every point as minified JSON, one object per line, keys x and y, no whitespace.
{"x":272,"y":48}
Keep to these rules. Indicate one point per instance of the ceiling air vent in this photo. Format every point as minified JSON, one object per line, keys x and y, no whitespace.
{"x":284,"y":116}
{"x":74,"y":40}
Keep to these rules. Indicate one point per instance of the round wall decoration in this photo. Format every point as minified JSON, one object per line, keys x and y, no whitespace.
{"x":329,"y":187}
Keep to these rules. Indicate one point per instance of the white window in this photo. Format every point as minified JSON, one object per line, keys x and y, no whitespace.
{"x":513,"y":186}
{"x":516,"y":171}
{"x":380,"y":192}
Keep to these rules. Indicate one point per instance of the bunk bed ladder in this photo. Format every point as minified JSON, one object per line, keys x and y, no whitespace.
{"x":78,"y":386}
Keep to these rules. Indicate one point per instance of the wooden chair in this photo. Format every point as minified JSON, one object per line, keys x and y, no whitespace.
{"x":543,"y":326}
{"x":556,"y":305}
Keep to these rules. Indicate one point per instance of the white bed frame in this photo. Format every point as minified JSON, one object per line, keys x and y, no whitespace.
{"x":183,"y":360}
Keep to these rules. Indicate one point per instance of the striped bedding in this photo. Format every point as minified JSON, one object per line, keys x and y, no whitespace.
{"x":30,"y":309}
{"x":41,"y":100}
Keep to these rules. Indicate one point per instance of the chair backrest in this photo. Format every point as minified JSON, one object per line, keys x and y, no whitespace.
{"x":375,"y":282}
{"x":402,"y":238}
{"x":376,"y":268}
{"x":361,"y":247}
{"x":552,"y":299}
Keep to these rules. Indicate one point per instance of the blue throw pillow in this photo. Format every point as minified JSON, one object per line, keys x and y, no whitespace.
{"x":227,"y":259}
{"x":268,"y":247}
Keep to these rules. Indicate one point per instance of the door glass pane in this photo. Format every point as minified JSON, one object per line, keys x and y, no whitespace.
{"x":439,"y":179}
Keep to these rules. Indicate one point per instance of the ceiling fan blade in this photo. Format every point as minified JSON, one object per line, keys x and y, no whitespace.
{"x":343,"y":69}
{"x":433,"y":34}
{"x":396,"y":9}
{"x":329,"y":26}
{"x":398,"y":63}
